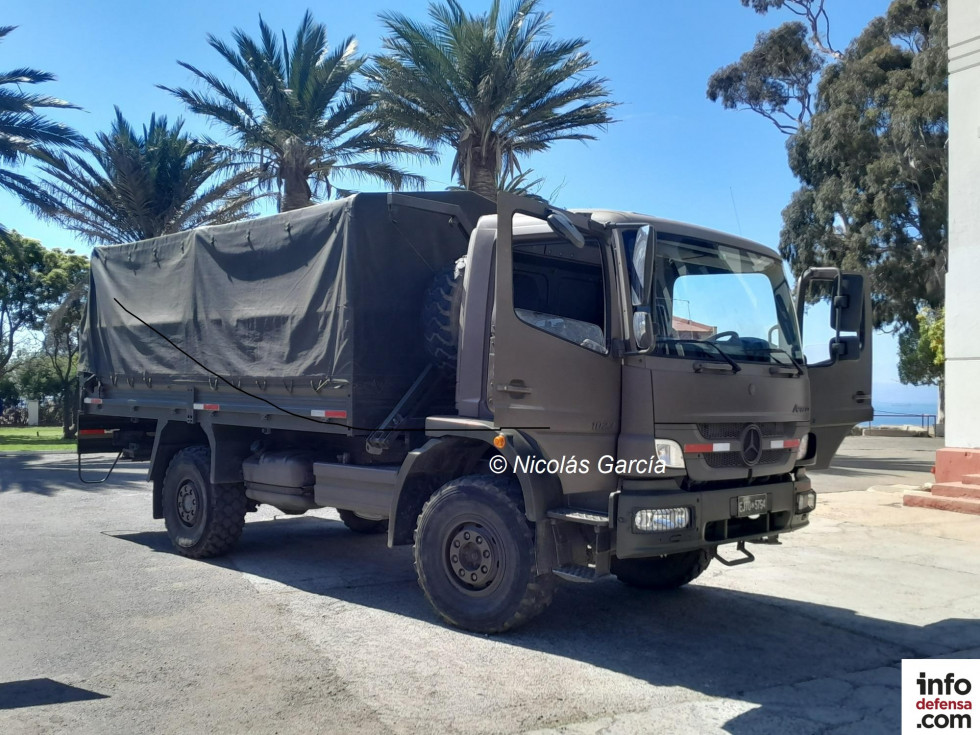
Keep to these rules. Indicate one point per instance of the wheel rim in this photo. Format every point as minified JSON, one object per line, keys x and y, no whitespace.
{"x":188,"y":503}
{"x":473,"y":557}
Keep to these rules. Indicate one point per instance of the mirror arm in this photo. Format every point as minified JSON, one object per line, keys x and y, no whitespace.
{"x":637,"y":353}
{"x":823,"y":273}
{"x":826,"y":273}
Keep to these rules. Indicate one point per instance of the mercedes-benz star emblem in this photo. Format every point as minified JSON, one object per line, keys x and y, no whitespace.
{"x":751,"y":445}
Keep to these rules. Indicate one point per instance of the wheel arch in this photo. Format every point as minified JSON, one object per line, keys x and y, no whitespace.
{"x":449,"y":456}
{"x":171,"y":437}
{"x":229,"y":447}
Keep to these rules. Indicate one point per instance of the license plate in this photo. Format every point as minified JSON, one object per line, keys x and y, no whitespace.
{"x":750,"y":505}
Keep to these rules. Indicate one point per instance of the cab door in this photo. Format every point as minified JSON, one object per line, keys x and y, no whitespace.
{"x":551,"y":370}
{"x":840,"y":383}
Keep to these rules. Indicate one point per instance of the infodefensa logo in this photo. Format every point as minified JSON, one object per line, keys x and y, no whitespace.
{"x":940,"y":694}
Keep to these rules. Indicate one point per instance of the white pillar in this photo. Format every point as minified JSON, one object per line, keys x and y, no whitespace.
{"x":963,"y":278}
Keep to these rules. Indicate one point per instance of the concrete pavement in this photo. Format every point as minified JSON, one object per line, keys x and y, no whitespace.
{"x":866,"y":461}
{"x":308,"y":627}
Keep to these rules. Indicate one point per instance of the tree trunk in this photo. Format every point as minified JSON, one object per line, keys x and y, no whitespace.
{"x":67,"y":427}
{"x":941,"y":408}
{"x":483,"y":180}
{"x":293,"y":172}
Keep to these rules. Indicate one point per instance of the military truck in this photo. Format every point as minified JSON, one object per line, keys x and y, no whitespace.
{"x":524,"y":393}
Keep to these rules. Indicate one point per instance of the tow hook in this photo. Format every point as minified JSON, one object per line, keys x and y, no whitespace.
{"x":740,"y":546}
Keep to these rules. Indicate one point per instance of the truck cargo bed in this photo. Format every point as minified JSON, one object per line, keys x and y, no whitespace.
{"x":316,"y":310}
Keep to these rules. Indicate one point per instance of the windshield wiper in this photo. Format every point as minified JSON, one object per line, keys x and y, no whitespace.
{"x":699,"y":343}
{"x":799,"y":368}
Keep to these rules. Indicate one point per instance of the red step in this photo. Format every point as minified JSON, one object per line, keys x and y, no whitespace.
{"x":957,"y":490}
{"x":919,"y":499}
{"x":971,"y":479}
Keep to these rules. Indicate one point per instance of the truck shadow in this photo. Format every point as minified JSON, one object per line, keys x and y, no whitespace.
{"x":773,"y":653}
{"x":880,"y":464}
{"x":49,"y":474}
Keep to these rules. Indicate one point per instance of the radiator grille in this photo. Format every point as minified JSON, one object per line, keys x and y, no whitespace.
{"x":769,"y":429}
{"x":727,"y":460}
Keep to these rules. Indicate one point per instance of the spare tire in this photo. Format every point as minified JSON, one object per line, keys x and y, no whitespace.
{"x":440,"y":316}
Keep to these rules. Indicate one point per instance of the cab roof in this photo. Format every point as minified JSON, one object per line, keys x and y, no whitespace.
{"x":666,"y":226}
{"x":525,"y":225}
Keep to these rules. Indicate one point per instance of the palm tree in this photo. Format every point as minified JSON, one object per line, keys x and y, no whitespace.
{"x":491,"y":87}
{"x":303,"y":119}
{"x":24,"y":134}
{"x":127,"y":186}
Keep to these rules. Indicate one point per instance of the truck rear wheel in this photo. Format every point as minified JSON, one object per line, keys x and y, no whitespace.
{"x":203,"y":519}
{"x":664,"y":572}
{"x":474,"y":555}
{"x":362,"y":524}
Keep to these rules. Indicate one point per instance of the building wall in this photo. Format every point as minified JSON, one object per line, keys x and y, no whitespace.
{"x":963,"y":279}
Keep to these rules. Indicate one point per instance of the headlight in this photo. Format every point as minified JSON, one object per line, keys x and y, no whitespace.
{"x":666,"y":519}
{"x":804,"y":446}
{"x":670,"y":453}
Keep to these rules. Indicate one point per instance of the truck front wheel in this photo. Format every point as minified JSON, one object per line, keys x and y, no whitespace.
{"x":203,"y":519}
{"x":664,"y":572}
{"x":474,"y":555}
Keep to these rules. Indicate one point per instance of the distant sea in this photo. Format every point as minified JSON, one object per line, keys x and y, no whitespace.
{"x":887,"y":413}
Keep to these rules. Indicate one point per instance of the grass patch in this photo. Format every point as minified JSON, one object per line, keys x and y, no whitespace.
{"x":33,"y":438}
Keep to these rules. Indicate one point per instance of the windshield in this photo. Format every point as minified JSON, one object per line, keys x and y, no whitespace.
{"x":734,"y":299}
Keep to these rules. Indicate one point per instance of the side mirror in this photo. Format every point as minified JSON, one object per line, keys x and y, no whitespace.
{"x":564,"y":227}
{"x":643,"y":330}
{"x":845,"y":348}
{"x":641,"y":267}
{"x":848,"y":303}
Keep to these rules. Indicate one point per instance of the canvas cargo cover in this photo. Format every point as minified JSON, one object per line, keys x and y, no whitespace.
{"x":331,"y":292}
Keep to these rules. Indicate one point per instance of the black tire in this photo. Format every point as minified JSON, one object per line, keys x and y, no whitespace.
{"x":480,"y":516}
{"x":203,"y":520}
{"x":360,"y":524}
{"x":440,"y":318}
{"x":664,"y":572}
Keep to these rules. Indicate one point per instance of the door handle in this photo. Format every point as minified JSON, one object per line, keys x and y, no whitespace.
{"x":861,"y":397}
{"x":514,"y":388}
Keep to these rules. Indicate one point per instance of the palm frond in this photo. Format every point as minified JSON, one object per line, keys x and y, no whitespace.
{"x":26,"y":134}
{"x":303,"y":114}
{"x":131,"y":185}
{"x":493,"y":87}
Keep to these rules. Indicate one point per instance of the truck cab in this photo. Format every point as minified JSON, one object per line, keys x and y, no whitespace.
{"x":654,"y":371}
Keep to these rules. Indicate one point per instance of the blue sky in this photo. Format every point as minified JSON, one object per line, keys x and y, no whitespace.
{"x":673,"y":153}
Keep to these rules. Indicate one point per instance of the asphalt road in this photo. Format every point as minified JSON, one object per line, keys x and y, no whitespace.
{"x":307,"y":627}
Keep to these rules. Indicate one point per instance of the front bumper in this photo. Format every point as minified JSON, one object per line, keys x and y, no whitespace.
{"x":713,"y":518}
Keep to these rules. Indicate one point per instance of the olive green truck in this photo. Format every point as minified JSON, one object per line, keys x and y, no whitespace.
{"x":524,"y":393}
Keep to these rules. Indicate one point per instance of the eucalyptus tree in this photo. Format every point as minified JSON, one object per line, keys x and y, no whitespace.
{"x":25,"y":134}
{"x":129,"y":185}
{"x":867,"y":127}
{"x":301,"y":124}
{"x":492,"y":87}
